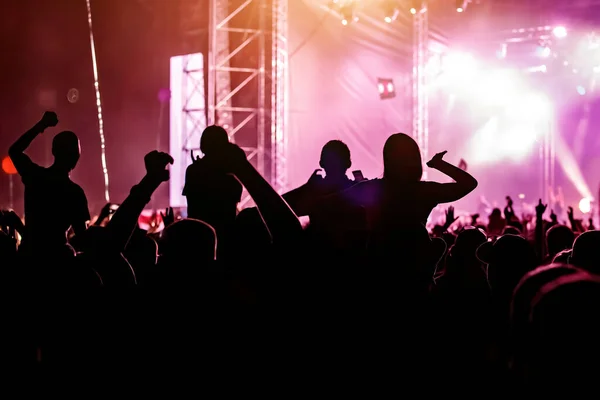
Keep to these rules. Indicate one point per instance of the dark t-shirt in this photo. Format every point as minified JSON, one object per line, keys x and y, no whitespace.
{"x":212,"y":195}
{"x":409,"y":204}
{"x":53,"y":203}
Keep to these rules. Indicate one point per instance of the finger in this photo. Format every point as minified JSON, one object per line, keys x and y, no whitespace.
{"x":443,"y":153}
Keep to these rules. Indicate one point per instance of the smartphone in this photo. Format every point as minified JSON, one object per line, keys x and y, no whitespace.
{"x":358,"y":175}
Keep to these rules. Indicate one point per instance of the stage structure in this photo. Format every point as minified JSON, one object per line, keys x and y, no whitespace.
{"x":260,"y":62}
{"x":266,"y":36}
{"x":420,"y":118}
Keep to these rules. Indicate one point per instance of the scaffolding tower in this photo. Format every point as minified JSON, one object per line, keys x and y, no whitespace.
{"x":261,"y":63}
{"x":420,"y":117}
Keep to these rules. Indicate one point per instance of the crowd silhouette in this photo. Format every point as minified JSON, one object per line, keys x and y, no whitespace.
{"x":364,"y":295}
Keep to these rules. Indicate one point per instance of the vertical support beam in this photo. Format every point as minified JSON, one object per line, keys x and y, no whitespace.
{"x":261,"y":123}
{"x":232,"y":70}
{"x":219,"y":75}
{"x":226,"y":106}
{"x":279,"y":95}
{"x":187,"y":118}
{"x":420,"y":129}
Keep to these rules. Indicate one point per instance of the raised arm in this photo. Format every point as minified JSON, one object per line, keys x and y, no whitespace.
{"x":282,"y":222}
{"x":464,"y":183}
{"x":17,"y":151}
{"x":125,"y":220}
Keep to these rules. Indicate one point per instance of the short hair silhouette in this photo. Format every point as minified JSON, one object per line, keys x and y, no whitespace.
{"x":66,"y":149}
{"x":335,"y":155}
{"x":402,"y":159}
{"x":213,"y":139}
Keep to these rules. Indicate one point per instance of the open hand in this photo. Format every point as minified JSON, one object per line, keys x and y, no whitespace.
{"x":540,"y":209}
{"x":49,"y":119}
{"x":436,"y":160}
{"x":156,"y":163}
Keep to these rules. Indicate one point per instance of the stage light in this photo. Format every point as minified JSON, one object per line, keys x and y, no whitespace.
{"x":391,"y":11}
{"x":581,"y":90}
{"x":460,"y":5}
{"x":386,"y":88}
{"x":585,"y":205}
{"x":347,"y":13}
{"x":560,"y":31}
{"x":415,"y":5}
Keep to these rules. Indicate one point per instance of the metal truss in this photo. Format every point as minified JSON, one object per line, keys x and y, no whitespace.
{"x":188,"y":118}
{"x":279,"y":95}
{"x":265,"y":37}
{"x":420,"y":128}
{"x":548,"y":160}
{"x":221,"y":95}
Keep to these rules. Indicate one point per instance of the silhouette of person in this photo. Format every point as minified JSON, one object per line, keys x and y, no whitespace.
{"x":399,"y":203}
{"x":53,"y":202}
{"x":335,"y":161}
{"x":212,"y":193}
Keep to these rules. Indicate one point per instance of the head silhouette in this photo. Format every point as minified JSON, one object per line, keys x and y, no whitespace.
{"x":402,"y":159}
{"x":335,"y":158}
{"x":585,"y":251}
{"x":66,"y":150}
{"x":213,"y":139}
{"x":559,"y":238}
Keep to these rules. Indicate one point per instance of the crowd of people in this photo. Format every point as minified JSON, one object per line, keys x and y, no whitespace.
{"x":362,"y":296}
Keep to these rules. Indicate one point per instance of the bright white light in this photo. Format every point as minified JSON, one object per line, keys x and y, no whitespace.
{"x":496,"y":88}
{"x":413,"y":11}
{"x":459,"y":67}
{"x":388,"y":20}
{"x":585,"y":205}
{"x":460,"y":9}
{"x":381,"y":87}
{"x":560,"y":31}
{"x":530,"y":107}
{"x":581,"y":90}
{"x":390,"y":87}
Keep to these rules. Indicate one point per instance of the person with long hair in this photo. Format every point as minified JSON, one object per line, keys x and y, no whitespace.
{"x":399,"y":203}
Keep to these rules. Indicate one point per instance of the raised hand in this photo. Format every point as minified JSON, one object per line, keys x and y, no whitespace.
{"x":474,"y":219}
{"x":509,"y":201}
{"x":436,"y":160}
{"x":168,"y":216}
{"x":450,"y":217}
{"x":570,"y":214}
{"x":232,"y":158}
{"x":49,"y":119}
{"x":105,"y":213}
{"x":156,"y":163}
{"x":315,"y":177}
{"x":11,"y":222}
{"x":540,"y":209}
{"x":553,"y":217}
